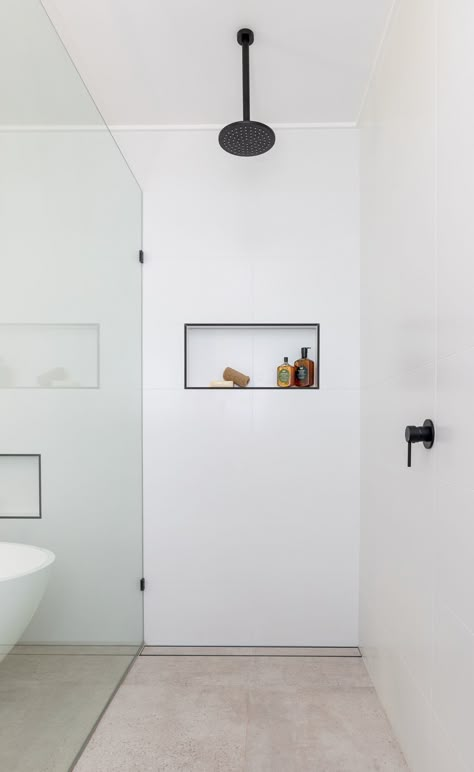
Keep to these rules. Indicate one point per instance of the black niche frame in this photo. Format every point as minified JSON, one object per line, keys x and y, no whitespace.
{"x":39,"y":516}
{"x":293,"y":325}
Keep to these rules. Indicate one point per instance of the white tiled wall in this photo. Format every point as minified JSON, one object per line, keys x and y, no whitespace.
{"x":251,"y":498}
{"x":417,"y":349}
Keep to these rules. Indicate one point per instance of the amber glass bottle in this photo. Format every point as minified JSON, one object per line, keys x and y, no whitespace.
{"x":304,"y":370}
{"x":285,"y":375}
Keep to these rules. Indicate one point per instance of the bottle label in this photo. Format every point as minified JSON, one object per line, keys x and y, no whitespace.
{"x":301,"y":373}
{"x":284,"y":376}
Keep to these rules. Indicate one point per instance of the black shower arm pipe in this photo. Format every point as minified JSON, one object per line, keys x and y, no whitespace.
{"x":246,"y":76}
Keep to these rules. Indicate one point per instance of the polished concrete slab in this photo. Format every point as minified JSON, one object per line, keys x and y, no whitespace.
{"x":50,"y":699}
{"x":244,"y":714}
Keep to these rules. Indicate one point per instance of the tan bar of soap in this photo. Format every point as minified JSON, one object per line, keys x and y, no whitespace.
{"x":233,"y":375}
{"x":221,"y":385}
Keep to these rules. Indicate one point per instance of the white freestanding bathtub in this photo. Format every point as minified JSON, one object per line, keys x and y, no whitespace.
{"x":24,"y":575}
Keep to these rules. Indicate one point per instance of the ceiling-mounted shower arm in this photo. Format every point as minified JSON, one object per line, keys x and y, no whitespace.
{"x":246,"y":138}
{"x":245,"y":38}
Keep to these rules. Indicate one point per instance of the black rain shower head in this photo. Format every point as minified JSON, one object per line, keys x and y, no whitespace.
{"x":246,"y":137}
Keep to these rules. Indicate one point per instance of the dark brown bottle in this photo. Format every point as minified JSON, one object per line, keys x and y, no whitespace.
{"x":304,"y":370}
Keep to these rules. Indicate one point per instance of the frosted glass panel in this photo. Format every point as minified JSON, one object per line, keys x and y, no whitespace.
{"x":48,"y":356}
{"x":71,"y":233}
{"x":20,"y":486}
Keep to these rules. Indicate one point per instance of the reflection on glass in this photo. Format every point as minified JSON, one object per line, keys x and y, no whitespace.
{"x":24,"y":576}
{"x":49,"y":356}
{"x":20,"y":486}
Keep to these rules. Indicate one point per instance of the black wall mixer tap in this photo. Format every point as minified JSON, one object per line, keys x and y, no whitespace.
{"x":424,"y":434}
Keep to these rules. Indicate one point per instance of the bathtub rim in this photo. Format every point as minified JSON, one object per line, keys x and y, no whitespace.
{"x":49,"y":556}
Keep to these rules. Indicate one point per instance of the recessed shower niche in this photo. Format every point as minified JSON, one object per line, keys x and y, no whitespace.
{"x":253,"y":349}
{"x":49,"y":356}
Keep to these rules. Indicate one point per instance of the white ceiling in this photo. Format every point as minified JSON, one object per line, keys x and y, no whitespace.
{"x":178,"y":62}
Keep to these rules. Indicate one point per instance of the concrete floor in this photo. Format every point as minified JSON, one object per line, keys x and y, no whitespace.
{"x":50,"y":699}
{"x":271,"y":713}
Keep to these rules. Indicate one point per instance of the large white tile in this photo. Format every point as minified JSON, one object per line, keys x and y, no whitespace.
{"x":455,"y":550}
{"x":188,"y":290}
{"x":453,"y":685}
{"x":409,"y":711}
{"x":455,"y":176}
{"x":455,"y":420}
{"x":398,"y":219}
{"x":163,"y":354}
{"x":444,"y":754}
{"x":310,"y":286}
{"x":283,"y":294}
{"x":398,"y":589}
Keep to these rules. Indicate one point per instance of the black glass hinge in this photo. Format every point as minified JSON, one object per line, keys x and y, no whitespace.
{"x":142,"y":584}
{"x":141,"y":256}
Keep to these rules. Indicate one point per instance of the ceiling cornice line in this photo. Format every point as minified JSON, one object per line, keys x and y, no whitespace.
{"x":58,"y":127}
{"x":218,"y":126}
{"x":112,"y":129}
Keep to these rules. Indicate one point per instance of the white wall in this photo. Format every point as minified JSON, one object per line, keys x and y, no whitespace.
{"x":251,"y":498}
{"x":417,"y":336}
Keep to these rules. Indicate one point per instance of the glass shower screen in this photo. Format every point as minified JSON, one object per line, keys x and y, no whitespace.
{"x":70,"y":392}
